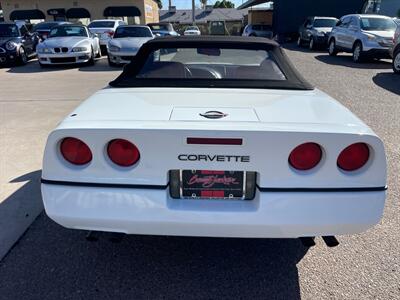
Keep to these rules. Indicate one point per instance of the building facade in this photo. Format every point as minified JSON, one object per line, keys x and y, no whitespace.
{"x":132,"y":11}
{"x":288,"y":15}
{"x":221,"y":21}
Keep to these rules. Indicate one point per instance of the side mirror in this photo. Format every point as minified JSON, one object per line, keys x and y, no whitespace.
{"x":309,"y":26}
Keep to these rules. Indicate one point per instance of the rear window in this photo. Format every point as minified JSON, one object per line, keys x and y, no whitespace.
{"x":102,"y":24}
{"x":211,"y":63}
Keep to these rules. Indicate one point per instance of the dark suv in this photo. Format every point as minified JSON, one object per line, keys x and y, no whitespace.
{"x":17,"y":44}
{"x":315,"y":31}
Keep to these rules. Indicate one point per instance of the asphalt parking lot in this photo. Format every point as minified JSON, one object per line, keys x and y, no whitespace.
{"x":50,"y":262}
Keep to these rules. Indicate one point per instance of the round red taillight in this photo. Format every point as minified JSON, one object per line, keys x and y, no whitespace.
{"x":353,"y":157}
{"x":123,"y":152}
{"x":75,"y":151}
{"x":305,"y":156}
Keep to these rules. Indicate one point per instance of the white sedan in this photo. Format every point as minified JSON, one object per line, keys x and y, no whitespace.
{"x":125,"y":44}
{"x":218,"y":137}
{"x":192,"y":30}
{"x":69,"y":44}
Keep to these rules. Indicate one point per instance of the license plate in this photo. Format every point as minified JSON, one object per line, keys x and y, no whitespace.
{"x":205,"y":184}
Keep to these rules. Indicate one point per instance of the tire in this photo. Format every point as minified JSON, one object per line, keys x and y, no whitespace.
{"x":110,"y":63}
{"x":311,"y":45}
{"x":396,"y":62}
{"x":22,"y":57}
{"x":357,"y":53}
{"x":92,"y":60}
{"x":332,"y":48}
{"x":299,"y":42}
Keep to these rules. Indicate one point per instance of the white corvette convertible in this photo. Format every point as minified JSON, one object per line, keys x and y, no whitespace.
{"x":214,"y":136}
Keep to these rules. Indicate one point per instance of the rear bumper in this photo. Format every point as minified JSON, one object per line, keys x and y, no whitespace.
{"x":269,"y":215}
{"x":378,"y":53}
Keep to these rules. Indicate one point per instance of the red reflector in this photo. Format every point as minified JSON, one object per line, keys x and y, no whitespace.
{"x":123,"y":152}
{"x":75,"y":151}
{"x":305,"y":156}
{"x":353,"y":157}
{"x":213,"y":141}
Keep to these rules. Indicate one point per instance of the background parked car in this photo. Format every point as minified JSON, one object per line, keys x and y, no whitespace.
{"x":395,"y":51}
{"x":363,"y":35}
{"x":17,"y":44}
{"x":126,"y":43}
{"x":192,"y":30}
{"x":105,"y":29}
{"x":69,"y":44}
{"x":315,"y":31}
{"x":258,"y":30}
{"x":43,"y":29}
{"x":163,"y":29}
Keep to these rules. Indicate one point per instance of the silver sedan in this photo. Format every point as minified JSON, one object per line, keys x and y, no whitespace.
{"x":69,"y":44}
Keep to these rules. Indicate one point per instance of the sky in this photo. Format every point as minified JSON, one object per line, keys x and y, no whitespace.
{"x":181,"y":4}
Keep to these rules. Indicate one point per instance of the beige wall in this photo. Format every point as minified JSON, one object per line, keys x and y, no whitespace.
{"x":95,"y":7}
{"x":260,"y":17}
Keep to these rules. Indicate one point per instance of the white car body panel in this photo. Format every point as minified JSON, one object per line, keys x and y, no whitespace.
{"x":270,"y":122}
{"x":192,"y":32}
{"x":68,"y":42}
{"x":269,"y":215}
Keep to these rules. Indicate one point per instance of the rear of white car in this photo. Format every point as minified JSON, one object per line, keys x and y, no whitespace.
{"x":221,"y":162}
{"x":137,"y":199}
{"x":105,"y":30}
{"x":192,"y":30}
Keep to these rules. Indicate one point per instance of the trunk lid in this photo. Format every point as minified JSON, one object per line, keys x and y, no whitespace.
{"x":172,"y":108}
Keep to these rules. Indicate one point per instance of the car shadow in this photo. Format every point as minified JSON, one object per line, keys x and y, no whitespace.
{"x":304,"y":49}
{"x":33,"y":66}
{"x":389,"y":81}
{"x":346,"y":61}
{"x":19,"y":210}
{"x":52,"y":260}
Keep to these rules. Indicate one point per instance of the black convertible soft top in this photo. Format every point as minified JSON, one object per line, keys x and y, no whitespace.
{"x":293,"y":79}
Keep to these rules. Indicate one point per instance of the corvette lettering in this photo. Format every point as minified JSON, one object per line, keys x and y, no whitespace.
{"x":212,"y":158}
